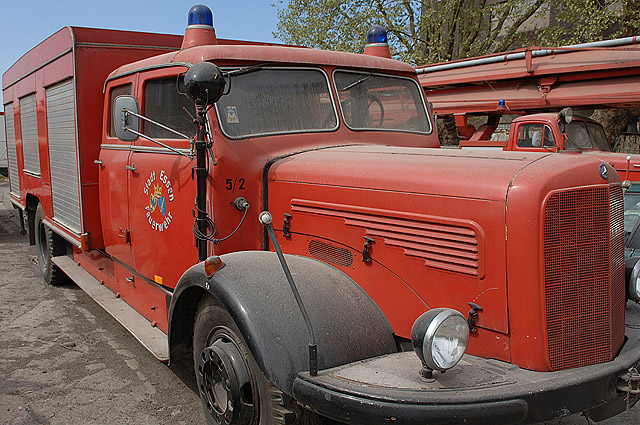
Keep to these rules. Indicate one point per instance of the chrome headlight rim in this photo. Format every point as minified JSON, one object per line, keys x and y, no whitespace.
{"x":633,"y":286}
{"x":423,"y":339}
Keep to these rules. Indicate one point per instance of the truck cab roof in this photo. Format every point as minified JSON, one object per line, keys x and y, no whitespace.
{"x":258,"y":53}
{"x":550,"y":117}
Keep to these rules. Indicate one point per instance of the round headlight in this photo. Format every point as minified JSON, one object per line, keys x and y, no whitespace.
{"x":567,"y":115}
{"x":633,"y":278}
{"x":440,"y":338}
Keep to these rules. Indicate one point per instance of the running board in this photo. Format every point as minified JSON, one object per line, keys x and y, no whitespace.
{"x":152,"y":338}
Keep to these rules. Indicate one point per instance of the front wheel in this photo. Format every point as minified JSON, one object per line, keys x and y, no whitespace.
{"x":232,"y":388}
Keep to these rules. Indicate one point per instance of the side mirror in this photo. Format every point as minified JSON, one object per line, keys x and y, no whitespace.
{"x":204,"y":83}
{"x":127,"y":126}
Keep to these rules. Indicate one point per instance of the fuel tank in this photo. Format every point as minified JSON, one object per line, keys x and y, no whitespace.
{"x":425,"y":228}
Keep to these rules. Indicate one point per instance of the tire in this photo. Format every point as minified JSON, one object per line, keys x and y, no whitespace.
{"x":232,"y":388}
{"x":48,"y":246}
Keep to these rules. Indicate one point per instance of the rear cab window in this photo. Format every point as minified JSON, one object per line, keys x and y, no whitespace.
{"x":165,"y":104}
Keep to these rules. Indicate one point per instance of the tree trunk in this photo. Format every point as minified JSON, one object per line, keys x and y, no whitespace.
{"x":615,"y":121}
{"x":448,"y":132}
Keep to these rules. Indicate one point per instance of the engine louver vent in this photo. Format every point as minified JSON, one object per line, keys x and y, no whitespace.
{"x":331,"y":254}
{"x":443,"y":243}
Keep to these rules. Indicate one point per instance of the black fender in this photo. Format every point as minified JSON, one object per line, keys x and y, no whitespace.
{"x":252,"y":287}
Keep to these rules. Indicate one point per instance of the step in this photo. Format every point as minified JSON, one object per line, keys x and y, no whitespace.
{"x":152,"y":338}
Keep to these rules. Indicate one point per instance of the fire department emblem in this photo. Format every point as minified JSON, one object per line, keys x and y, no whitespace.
{"x":160,"y":193}
{"x":158,"y":201}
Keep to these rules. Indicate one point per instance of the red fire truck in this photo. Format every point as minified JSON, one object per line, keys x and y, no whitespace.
{"x":281,"y":220}
{"x":550,"y":132}
{"x":537,"y":80}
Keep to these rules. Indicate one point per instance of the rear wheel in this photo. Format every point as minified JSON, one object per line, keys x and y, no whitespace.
{"x":47,"y":246}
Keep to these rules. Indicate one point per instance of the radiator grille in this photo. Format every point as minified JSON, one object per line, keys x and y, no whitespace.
{"x":14,"y":182}
{"x":617,"y":267}
{"x":584,"y":274}
{"x":331,"y":254}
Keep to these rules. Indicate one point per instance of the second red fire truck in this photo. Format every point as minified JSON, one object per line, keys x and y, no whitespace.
{"x":282,"y":220}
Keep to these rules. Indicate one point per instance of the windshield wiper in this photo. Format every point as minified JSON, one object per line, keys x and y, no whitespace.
{"x":576,"y":146}
{"x":355,"y":83}
{"x":246,"y":69}
{"x":240,"y":71}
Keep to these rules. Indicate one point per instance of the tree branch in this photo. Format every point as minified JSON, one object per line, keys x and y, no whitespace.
{"x":508,"y":39}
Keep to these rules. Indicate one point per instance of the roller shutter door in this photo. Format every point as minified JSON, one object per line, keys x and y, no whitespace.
{"x":61,"y":129}
{"x":29,"y":125}
{"x":12,"y":156}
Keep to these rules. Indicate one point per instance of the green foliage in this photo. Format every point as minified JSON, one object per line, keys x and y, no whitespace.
{"x":431,"y":31}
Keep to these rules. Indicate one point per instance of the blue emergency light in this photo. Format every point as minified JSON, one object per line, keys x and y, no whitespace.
{"x":200,"y":15}
{"x":502,"y":103}
{"x":377,"y":35}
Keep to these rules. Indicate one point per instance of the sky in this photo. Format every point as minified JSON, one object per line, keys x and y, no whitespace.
{"x":26,"y":23}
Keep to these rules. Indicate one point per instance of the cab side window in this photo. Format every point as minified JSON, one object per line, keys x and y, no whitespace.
{"x":163,"y":103}
{"x":530,"y":135}
{"x":125,"y":89}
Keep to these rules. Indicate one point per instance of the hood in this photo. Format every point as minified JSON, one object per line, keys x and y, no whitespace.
{"x":473,"y":173}
{"x":436,"y":218}
{"x":421,"y":228}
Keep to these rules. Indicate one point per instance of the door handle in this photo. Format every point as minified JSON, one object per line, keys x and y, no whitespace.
{"x":130,"y":167}
{"x":130,"y":279}
{"x":97,"y":161}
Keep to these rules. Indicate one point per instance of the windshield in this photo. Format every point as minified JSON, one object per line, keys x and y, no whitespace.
{"x":598,"y":136}
{"x":585,"y":135}
{"x":276,"y":101}
{"x":371,"y":101}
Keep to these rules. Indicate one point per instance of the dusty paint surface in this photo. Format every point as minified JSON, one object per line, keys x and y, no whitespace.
{"x":63,"y":360}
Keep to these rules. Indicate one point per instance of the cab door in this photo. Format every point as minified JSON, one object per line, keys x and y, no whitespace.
{"x":161,"y":188}
{"x":114,"y":174}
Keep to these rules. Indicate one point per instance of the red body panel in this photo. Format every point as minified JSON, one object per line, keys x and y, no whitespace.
{"x":87,"y":55}
{"x":348,"y":203}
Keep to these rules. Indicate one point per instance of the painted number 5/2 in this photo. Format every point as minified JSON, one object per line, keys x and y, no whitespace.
{"x":235,"y":183}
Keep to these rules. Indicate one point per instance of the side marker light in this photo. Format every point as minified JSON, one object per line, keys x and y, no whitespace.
{"x":212,"y":265}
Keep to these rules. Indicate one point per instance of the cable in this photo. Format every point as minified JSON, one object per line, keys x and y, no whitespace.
{"x":210,"y":235}
{"x":215,"y":241}
{"x":240,"y":203}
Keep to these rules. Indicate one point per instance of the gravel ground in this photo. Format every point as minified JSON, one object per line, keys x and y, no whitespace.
{"x":63,"y":360}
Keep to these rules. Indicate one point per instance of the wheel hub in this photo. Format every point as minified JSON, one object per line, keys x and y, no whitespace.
{"x":225,"y":384}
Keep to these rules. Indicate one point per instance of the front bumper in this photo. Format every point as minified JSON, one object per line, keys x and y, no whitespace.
{"x":389,"y":389}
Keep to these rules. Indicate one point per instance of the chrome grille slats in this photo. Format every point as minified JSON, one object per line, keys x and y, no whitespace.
{"x":581,"y":281}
